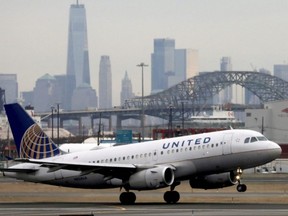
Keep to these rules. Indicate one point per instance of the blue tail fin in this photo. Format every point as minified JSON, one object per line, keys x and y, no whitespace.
{"x":30,"y":140}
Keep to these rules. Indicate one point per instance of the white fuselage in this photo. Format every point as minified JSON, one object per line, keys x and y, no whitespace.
{"x":200,"y":154}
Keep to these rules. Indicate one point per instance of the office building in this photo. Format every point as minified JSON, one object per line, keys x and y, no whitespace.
{"x":77,"y":81}
{"x":162,"y":66}
{"x":78,"y":56}
{"x":126,"y":89}
{"x":9,"y":83}
{"x":171,"y":65}
{"x":43,"y":93}
{"x":84,"y":98}
{"x":251,"y":98}
{"x":185,"y":66}
{"x":105,"y":83}
{"x":281,"y":71}
{"x":225,"y":95}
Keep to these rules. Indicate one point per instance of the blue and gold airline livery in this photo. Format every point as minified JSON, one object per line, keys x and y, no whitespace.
{"x":30,"y":140}
{"x":207,"y":161}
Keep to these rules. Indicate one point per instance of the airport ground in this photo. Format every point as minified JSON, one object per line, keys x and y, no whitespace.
{"x":267,"y":194}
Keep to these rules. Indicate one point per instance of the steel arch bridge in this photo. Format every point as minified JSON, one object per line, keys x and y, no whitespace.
{"x":196,"y":91}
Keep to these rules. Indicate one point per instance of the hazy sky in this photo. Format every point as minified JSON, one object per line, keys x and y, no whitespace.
{"x":34,"y":35}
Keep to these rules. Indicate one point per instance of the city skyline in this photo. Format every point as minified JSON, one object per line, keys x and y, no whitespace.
{"x":34,"y":35}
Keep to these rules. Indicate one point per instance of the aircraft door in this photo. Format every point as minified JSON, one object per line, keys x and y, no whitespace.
{"x":226,"y":144}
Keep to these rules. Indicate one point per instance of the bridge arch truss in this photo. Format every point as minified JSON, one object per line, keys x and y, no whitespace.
{"x":195,"y":92}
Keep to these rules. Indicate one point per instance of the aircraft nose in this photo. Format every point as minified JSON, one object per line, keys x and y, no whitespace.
{"x":275,"y":150}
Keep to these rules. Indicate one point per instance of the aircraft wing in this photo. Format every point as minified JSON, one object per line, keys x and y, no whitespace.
{"x":108,"y":169}
{"x":18,"y":170}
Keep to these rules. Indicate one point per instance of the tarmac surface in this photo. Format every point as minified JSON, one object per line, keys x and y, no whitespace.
{"x":267,"y":194}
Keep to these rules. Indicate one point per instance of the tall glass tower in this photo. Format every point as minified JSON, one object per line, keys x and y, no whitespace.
{"x":105,"y":83}
{"x":162,"y":64}
{"x":78,"y":57}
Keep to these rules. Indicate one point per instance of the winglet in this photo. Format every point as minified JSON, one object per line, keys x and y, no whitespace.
{"x":30,"y":139}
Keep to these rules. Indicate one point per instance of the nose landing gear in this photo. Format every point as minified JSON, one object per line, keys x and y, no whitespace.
{"x":240,"y":187}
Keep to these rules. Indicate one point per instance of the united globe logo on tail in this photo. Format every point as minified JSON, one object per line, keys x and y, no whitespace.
{"x":36,"y":144}
{"x":30,"y":139}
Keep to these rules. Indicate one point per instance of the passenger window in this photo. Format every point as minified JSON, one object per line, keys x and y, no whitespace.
{"x":253,"y":139}
{"x":247,"y":140}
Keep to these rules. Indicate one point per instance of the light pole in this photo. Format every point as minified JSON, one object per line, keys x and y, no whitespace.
{"x":142,"y":65}
{"x":170,"y":126}
{"x":58,"y":123}
{"x":52,"y":117}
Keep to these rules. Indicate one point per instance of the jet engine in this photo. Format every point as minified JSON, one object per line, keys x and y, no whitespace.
{"x":152,"y":178}
{"x":214,"y":181}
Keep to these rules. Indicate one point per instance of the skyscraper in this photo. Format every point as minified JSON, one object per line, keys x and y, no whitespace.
{"x":78,"y":56}
{"x":185,"y":66}
{"x":105,"y":83}
{"x":9,"y":83}
{"x":171,"y":66}
{"x":281,"y":71}
{"x":44,"y":95}
{"x":162,"y":63}
{"x":126,"y":91}
{"x":225,"y":95}
{"x":77,"y":82}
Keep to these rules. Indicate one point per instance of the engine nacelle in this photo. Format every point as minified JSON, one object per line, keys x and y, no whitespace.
{"x":152,"y":178}
{"x":214,"y":181}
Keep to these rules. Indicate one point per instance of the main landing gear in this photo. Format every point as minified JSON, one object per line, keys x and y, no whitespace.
{"x":240,"y":187}
{"x":172,"y":196}
{"x":127,"y":198}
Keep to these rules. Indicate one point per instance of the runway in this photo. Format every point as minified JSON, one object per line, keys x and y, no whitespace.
{"x":45,"y":209}
{"x":266,"y":195}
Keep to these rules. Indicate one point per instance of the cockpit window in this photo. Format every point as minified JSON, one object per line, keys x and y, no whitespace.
{"x":262,"y":138}
{"x":255,"y":139}
{"x":247,"y":140}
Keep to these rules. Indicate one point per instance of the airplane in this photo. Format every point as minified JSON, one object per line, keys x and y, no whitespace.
{"x":209,"y":160}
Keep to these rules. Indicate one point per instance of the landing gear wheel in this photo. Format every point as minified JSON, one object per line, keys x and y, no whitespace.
{"x":171,"y":196}
{"x":127,"y":198}
{"x":241,"y":188}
